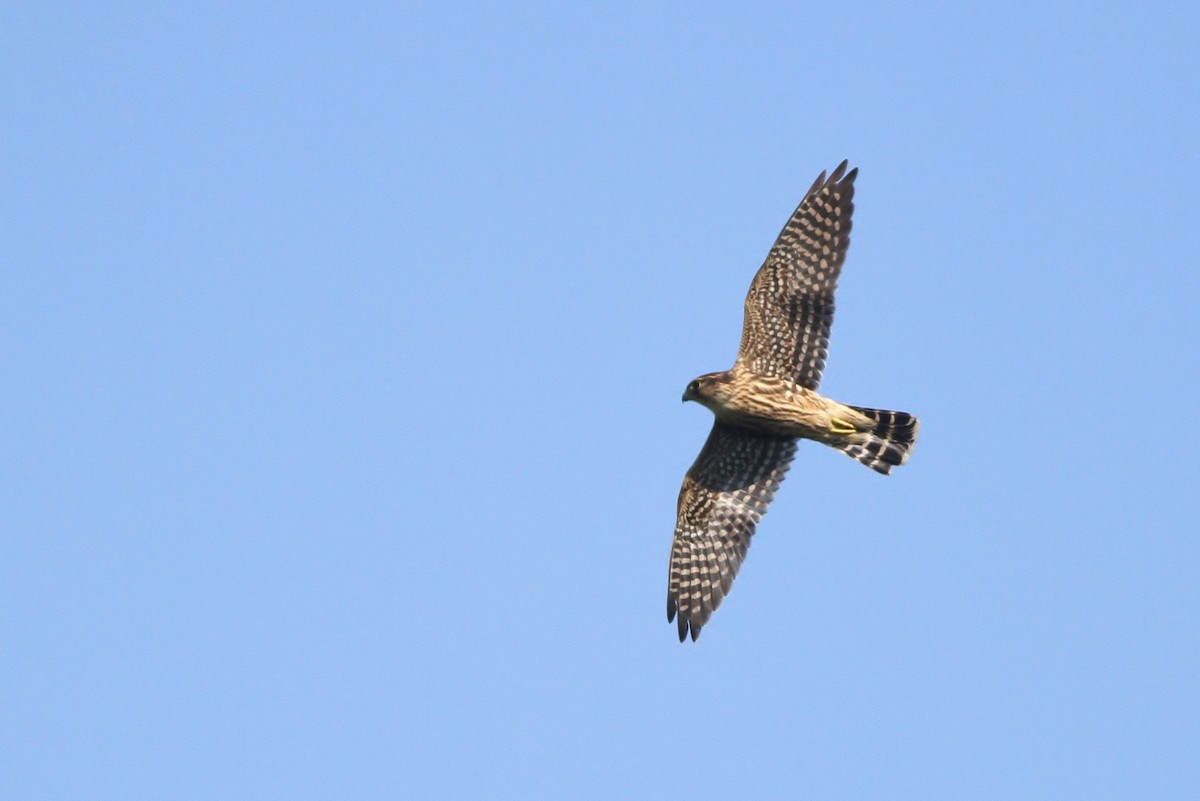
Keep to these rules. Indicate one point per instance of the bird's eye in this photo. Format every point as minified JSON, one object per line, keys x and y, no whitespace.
{"x":694,"y":386}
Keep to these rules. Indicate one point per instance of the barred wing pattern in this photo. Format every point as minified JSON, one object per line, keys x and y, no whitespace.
{"x":789,"y":309}
{"x":724,"y":495}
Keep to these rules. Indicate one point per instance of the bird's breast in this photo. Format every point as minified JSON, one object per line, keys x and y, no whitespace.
{"x":772,"y":405}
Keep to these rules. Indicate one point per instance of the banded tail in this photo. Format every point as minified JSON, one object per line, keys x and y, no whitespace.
{"x":885,"y":446}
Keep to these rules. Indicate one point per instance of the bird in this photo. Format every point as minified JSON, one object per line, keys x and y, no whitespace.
{"x":768,"y":401}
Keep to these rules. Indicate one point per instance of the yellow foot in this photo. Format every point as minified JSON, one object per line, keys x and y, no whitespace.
{"x":837,"y":426}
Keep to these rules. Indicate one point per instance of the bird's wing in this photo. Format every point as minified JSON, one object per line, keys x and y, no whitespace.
{"x":724,"y":495}
{"x":789,"y":309}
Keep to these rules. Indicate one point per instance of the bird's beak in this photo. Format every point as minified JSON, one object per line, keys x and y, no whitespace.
{"x":686,"y":397}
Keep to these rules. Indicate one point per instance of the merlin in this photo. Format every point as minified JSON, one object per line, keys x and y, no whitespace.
{"x":769,"y":401}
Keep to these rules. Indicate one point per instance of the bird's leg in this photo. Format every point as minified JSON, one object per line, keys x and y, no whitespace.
{"x":838,"y":426}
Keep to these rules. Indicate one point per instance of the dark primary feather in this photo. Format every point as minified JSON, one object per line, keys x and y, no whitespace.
{"x":724,"y":495}
{"x":789,"y":308}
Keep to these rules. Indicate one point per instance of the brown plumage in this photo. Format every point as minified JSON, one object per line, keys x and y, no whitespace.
{"x":768,"y":401}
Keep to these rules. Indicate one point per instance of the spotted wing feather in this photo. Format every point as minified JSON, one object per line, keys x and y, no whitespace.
{"x":789,"y":309}
{"x":724,"y":495}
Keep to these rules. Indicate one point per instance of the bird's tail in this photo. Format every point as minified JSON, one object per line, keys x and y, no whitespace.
{"x":886,"y":445}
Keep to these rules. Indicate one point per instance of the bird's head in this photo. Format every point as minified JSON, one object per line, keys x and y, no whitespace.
{"x":702,"y":389}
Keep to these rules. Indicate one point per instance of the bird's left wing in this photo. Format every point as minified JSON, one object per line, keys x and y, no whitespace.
{"x":789,"y":309}
{"x":724,"y":495}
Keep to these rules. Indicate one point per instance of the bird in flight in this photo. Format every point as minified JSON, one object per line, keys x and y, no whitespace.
{"x":769,"y":401}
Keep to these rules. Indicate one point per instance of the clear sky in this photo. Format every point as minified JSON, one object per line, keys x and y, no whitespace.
{"x":340,"y":428}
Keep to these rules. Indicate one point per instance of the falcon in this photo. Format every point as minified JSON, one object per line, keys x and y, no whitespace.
{"x":769,"y":401}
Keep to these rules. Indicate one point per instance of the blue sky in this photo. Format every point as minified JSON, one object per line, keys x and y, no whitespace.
{"x":341,"y":433}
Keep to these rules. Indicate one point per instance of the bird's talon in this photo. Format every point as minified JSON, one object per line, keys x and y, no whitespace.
{"x":840,"y":426}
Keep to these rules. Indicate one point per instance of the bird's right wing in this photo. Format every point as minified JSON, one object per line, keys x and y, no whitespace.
{"x":789,"y":309}
{"x":724,"y":495}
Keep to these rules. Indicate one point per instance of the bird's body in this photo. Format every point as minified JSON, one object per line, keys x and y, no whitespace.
{"x":743,"y":399}
{"x":768,"y":401}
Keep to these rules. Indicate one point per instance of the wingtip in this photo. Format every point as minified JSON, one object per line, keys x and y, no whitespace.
{"x":684,"y":625}
{"x":841,"y":175}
